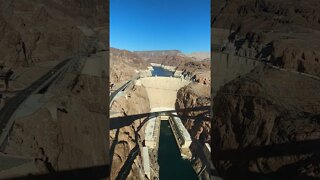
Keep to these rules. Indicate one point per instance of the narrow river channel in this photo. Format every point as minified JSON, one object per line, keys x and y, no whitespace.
{"x":172,"y":165}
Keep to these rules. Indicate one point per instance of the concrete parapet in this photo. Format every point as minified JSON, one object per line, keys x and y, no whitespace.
{"x":146,"y":162}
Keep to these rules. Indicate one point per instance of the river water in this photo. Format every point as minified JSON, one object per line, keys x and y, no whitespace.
{"x":172,"y":165}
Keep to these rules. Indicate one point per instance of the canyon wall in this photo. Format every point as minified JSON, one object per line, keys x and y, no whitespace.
{"x":127,"y":140}
{"x":262,"y":125}
{"x":285,"y":32}
{"x":68,"y":132}
{"x":227,"y":67}
{"x":124,"y":65}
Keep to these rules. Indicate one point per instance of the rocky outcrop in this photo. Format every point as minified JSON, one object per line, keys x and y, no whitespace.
{"x":33,"y":32}
{"x":283,"y":32}
{"x":124,"y":65}
{"x":66,"y":129}
{"x":263,"y":125}
{"x":197,"y":122}
{"x":68,"y":132}
{"x":126,"y":141}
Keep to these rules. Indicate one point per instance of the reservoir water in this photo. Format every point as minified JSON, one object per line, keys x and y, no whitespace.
{"x":159,"y":71}
{"x":172,"y":165}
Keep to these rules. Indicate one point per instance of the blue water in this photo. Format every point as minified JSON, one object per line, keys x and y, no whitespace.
{"x":159,"y":71}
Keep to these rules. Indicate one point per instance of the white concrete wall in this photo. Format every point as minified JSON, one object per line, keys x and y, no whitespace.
{"x":146,"y":161}
{"x":227,"y":67}
{"x":162,"y":91}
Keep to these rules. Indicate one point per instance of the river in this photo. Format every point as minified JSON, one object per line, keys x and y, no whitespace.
{"x":172,"y":165}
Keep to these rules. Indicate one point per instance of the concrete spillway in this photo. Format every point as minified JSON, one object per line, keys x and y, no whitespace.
{"x":162,"y":91}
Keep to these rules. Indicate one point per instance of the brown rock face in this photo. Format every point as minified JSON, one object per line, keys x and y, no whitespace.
{"x":197,"y":122}
{"x":75,"y":138}
{"x":128,"y":139}
{"x":199,"y":70}
{"x":263,"y":126}
{"x":291,"y":27}
{"x":123,"y":64}
{"x":32,"y":32}
{"x":67,"y":130}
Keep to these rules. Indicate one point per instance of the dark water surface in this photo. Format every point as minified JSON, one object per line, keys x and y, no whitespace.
{"x":172,"y":166}
{"x":159,"y":71}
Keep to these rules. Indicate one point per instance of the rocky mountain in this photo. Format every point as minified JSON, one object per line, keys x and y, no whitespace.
{"x":199,"y":55}
{"x":285,"y":31}
{"x":157,"y":53}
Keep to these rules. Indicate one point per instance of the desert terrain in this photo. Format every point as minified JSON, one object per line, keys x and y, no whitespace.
{"x":53,"y":116}
{"x":264,"y":122}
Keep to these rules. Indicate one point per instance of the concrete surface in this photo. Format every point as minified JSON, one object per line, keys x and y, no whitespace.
{"x":162,"y":91}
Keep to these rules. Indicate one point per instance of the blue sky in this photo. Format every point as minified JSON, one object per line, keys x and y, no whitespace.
{"x":160,"y":25}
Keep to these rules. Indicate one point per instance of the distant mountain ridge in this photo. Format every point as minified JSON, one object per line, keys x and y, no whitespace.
{"x":157,"y":53}
{"x":199,"y":55}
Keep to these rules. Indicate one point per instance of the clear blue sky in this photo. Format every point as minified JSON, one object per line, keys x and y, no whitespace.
{"x":160,"y":25}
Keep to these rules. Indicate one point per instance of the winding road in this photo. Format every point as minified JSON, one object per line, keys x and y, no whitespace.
{"x":10,"y":107}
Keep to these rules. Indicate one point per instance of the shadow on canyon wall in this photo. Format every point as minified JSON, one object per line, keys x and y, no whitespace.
{"x":95,"y":172}
{"x":242,"y":157}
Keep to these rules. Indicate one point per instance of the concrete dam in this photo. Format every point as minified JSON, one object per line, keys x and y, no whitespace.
{"x":226,"y":67}
{"x":162,"y":91}
{"x":162,"y":94}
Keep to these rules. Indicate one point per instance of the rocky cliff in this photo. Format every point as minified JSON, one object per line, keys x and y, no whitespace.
{"x":68,"y":132}
{"x":198,"y":70}
{"x":126,"y":141}
{"x":124,"y":65}
{"x":286,"y":32}
{"x":34,"y":32}
{"x":64,"y":127}
{"x":197,"y":122}
{"x":264,"y":125}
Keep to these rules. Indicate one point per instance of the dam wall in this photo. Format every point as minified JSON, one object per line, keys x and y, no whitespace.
{"x":162,"y":91}
{"x":227,"y":67}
